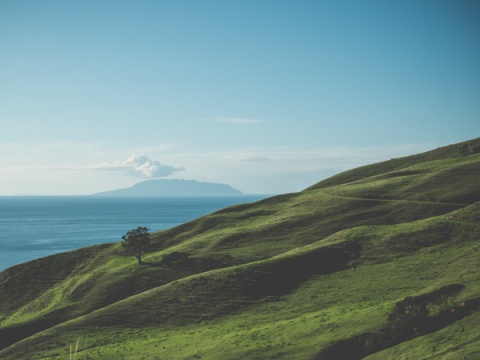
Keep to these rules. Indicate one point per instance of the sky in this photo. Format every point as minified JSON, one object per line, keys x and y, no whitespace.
{"x":268,"y":96}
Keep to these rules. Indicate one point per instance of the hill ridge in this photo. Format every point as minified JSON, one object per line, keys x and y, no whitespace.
{"x":461,"y":149}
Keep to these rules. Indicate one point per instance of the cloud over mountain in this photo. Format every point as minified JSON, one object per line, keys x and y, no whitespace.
{"x":139,"y":165}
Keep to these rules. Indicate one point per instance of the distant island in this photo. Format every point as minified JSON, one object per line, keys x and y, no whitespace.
{"x":165,"y":187}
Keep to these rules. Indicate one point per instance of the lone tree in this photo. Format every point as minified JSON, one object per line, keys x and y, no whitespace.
{"x":136,"y":241}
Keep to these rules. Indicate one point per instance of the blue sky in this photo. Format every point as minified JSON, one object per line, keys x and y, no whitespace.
{"x":268,"y":96}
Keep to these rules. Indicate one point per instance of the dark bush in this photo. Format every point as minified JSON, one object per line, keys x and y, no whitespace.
{"x":407,"y":318}
{"x":444,"y":299}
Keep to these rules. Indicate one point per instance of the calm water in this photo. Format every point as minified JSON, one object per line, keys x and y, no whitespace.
{"x":32,"y":227}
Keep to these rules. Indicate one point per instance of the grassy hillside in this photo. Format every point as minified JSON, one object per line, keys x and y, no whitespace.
{"x":292,"y":276}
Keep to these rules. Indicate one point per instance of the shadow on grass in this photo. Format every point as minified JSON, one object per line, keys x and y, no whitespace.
{"x":11,"y":335}
{"x":360,"y":346}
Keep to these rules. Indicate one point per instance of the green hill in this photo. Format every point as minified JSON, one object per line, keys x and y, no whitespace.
{"x":317,"y":274}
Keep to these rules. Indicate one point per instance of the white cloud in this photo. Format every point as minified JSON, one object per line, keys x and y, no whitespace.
{"x":330,"y":158}
{"x":281,"y":169}
{"x":139,"y":165}
{"x":232,"y":120}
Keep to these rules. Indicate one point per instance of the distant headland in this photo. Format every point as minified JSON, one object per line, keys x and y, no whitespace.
{"x":167,"y":187}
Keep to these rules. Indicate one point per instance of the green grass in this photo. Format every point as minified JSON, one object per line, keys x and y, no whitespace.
{"x":323,"y":309}
{"x":267,"y":280}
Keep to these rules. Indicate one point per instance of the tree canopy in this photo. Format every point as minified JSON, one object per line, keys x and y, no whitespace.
{"x":136,"y":242}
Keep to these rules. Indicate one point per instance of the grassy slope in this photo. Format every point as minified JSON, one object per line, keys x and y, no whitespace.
{"x":265,"y":280}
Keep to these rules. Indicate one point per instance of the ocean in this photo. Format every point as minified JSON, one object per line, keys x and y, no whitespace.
{"x":37,"y":226}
